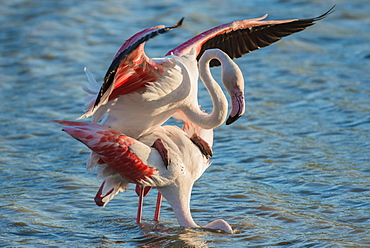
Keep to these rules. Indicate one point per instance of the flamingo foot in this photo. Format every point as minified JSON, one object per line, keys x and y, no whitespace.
{"x":99,"y":197}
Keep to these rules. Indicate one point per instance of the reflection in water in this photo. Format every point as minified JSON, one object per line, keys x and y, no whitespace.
{"x":157,"y":235}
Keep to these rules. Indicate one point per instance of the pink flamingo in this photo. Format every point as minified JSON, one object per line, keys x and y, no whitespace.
{"x":113,"y":183}
{"x":139,"y":94}
{"x":173,"y":174}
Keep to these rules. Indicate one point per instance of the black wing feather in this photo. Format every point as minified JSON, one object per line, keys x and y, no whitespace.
{"x":239,"y":42}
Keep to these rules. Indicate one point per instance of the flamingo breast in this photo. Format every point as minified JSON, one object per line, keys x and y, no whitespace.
{"x":142,"y":111}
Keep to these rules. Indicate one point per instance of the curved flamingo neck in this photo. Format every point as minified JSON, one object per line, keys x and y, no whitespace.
{"x":220,"y":105}
{"x":179,"y":199}
{"x":184,"y":217}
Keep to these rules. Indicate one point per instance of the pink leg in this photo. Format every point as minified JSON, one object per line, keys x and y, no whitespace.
{"x":140,"y":207}
{"x":158,"y":207}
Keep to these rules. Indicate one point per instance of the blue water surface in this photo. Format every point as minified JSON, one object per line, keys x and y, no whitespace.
{"x":294,"y":171}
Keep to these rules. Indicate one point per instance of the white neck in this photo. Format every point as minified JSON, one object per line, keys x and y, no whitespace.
{"x":178,"y":196}
{"x":179,"y":199}
{"x":220,"y":105}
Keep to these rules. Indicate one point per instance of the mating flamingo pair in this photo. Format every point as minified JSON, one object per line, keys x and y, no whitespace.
{"x":140,"y":94}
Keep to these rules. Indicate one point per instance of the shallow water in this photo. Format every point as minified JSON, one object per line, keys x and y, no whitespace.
{"x":293,"y":172}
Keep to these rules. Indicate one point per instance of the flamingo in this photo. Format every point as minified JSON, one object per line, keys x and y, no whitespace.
{"x":232,"y":77}
{"x":141,"y":164}
{"x":139,"y":94}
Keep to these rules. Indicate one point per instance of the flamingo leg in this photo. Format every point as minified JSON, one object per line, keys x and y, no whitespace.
{"x":140,"y":207}
{"x":158,"y":207}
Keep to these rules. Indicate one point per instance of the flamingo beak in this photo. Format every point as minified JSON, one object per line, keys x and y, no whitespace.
{"x":238,"y":106}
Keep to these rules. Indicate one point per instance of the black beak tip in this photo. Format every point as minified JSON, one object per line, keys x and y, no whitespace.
{"x":232,"y":119}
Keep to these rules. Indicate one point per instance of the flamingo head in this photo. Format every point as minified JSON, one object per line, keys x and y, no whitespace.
{"x":221,"y":225}
{"x":238,"y":105}
{"x":233,"y":80}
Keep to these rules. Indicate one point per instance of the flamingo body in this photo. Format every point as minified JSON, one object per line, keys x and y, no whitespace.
{"x":141,"y":164}
{"x":139,"y":94}
{"x":131,"y":69}
{"x":136,"y":86}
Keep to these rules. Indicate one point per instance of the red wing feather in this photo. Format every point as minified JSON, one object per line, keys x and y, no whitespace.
{"x":134,"y":71}
{"x":112,"y":147}
{"x":131,"y":69}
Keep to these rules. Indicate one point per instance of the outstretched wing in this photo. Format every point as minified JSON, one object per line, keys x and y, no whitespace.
{"x":121,"y":153}
{"x":131,"y":69}
{"x":240,"y":37}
